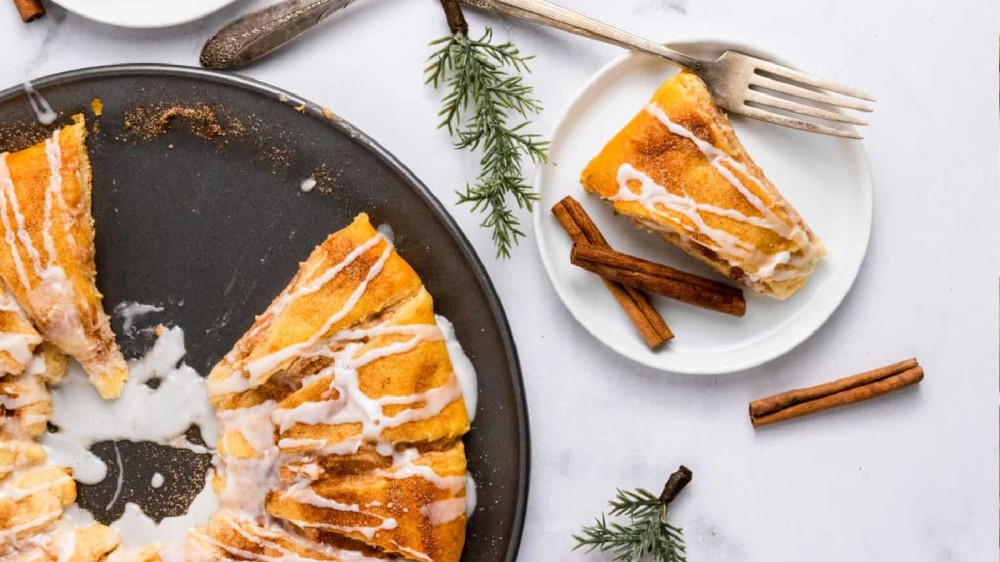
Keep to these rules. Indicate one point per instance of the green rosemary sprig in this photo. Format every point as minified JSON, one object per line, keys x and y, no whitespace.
{"x":648,"y":535}
{"x":485,"y":90}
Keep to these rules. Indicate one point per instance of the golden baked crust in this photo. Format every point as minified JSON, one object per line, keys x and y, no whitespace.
{"x":341,"y":417}
{"x":677,"y":168}
{"x":47,"y":252}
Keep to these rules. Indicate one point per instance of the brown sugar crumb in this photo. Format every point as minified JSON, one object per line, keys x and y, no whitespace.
{"x":328,"y":114}
{"x":300,"y":108}
{"x":327,"y":181}
{"x":146,"y":123}
{"x":97,"y":107}
{"x":19,"y":136}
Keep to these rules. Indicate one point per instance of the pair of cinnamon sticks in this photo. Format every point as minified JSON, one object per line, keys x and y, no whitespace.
{"x":627,"y":277}
{"x":29,"y":10}
{"x":842,"y":392}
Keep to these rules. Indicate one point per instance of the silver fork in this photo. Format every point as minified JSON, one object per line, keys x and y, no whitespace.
{"x":738,"y":82}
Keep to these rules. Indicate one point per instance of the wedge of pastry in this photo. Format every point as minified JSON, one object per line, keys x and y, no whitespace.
{"x":47,"y":252}
{"x":678,"y":169}
{"x":341,"y":417}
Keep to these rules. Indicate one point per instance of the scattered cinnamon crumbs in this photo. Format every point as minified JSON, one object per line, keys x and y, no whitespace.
{"x":327,"y":181}
{"x":146,"y":123}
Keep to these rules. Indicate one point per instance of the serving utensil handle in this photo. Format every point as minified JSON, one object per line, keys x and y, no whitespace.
{"x":258,"y":33}
{"x":548,"y":14}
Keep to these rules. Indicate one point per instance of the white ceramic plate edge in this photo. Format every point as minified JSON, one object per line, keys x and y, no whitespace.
{"x":137,"y":18}
{"x":864,"y":216}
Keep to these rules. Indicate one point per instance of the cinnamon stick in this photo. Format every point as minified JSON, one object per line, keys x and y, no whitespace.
{"x":30,"y":10}
{"x":660,"y":279}
{"x":849,"y":390}
{"x":581,"y":229}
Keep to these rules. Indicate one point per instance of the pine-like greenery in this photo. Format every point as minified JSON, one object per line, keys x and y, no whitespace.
{"x":485,"y":90}
{"x":647,"y":535}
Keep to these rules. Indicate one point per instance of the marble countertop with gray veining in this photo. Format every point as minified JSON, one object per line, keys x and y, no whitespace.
{"x":912,"y":476}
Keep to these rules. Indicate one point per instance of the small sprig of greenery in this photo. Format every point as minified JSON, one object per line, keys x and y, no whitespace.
{"x":486,"y":88}
{"x":647,"y":535}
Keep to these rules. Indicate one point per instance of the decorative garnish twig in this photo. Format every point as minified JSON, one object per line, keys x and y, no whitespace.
{"x":648,"y":535}
{"x":486,"y":89}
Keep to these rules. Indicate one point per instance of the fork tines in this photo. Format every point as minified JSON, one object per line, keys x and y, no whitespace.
{"x":780,"y":95}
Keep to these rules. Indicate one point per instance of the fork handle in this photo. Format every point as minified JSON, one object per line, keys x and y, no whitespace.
{"x":548,"y":14}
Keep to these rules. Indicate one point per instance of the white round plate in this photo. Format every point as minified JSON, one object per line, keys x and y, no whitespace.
{"x":827,"y":179}
{"x":143,"y":13}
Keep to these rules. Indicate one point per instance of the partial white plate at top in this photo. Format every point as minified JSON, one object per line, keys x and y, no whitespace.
{"x":143,"y":13}
{"x":827,"y":179}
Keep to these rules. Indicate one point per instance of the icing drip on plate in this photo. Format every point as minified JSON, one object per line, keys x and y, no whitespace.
{"x":39,"y":105}
{"x":161,"y":415}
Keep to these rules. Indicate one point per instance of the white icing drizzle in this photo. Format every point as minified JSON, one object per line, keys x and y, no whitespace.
{"x":412,"y":553}
{"x":470,"y":495}
{"x":385,"y":229}
{"x":10,"y":196}
{"x":7,"y":186}
{"x":130,"y":311}
{"x":9,"y":536}
{"x":161,"y":415}
{"x":247,"y":480}
{"x":465,"y":373}
{"x":266,"y":538}
{"x":656,"y":198}
{"x":387,"y":524}
{"x":352,"y":405}
{"x":53,"y":155}
{"x":403,"y":467}
{"x":39,"y":105}
{"x":303,"y":493}
{"x":138,"y":530}
{"x":10,"y":490}
{"x":444,"y":511}
{"x":121,"y":476}
{"x":21,"y":391}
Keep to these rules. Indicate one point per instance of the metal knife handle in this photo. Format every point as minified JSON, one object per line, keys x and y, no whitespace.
{"x":546,"y":13}
{"x":258,"y":33}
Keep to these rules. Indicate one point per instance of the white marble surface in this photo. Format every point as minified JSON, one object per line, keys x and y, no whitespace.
{"x":910,"y":477}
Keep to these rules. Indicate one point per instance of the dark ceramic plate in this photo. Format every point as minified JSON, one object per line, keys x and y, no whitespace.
{"x":210,"y":222}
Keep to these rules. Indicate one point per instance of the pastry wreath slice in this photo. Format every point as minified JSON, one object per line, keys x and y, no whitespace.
{"x":678,"y":169}
{"x":341,"y":417}
{"x":47,"y":252}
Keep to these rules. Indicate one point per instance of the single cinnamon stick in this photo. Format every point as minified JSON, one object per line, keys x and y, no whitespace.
{"x":30,"y":10}
{"x":660,"y":279}
{"x":849,"y":390}
{"x":581,"y":229}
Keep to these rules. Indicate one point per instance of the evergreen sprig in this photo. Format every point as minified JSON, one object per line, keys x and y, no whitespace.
{"x":486,"y":88}
{"x":647,"y":536}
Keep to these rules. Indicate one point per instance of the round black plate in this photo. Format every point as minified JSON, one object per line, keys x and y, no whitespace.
{"x":212,"y":229}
